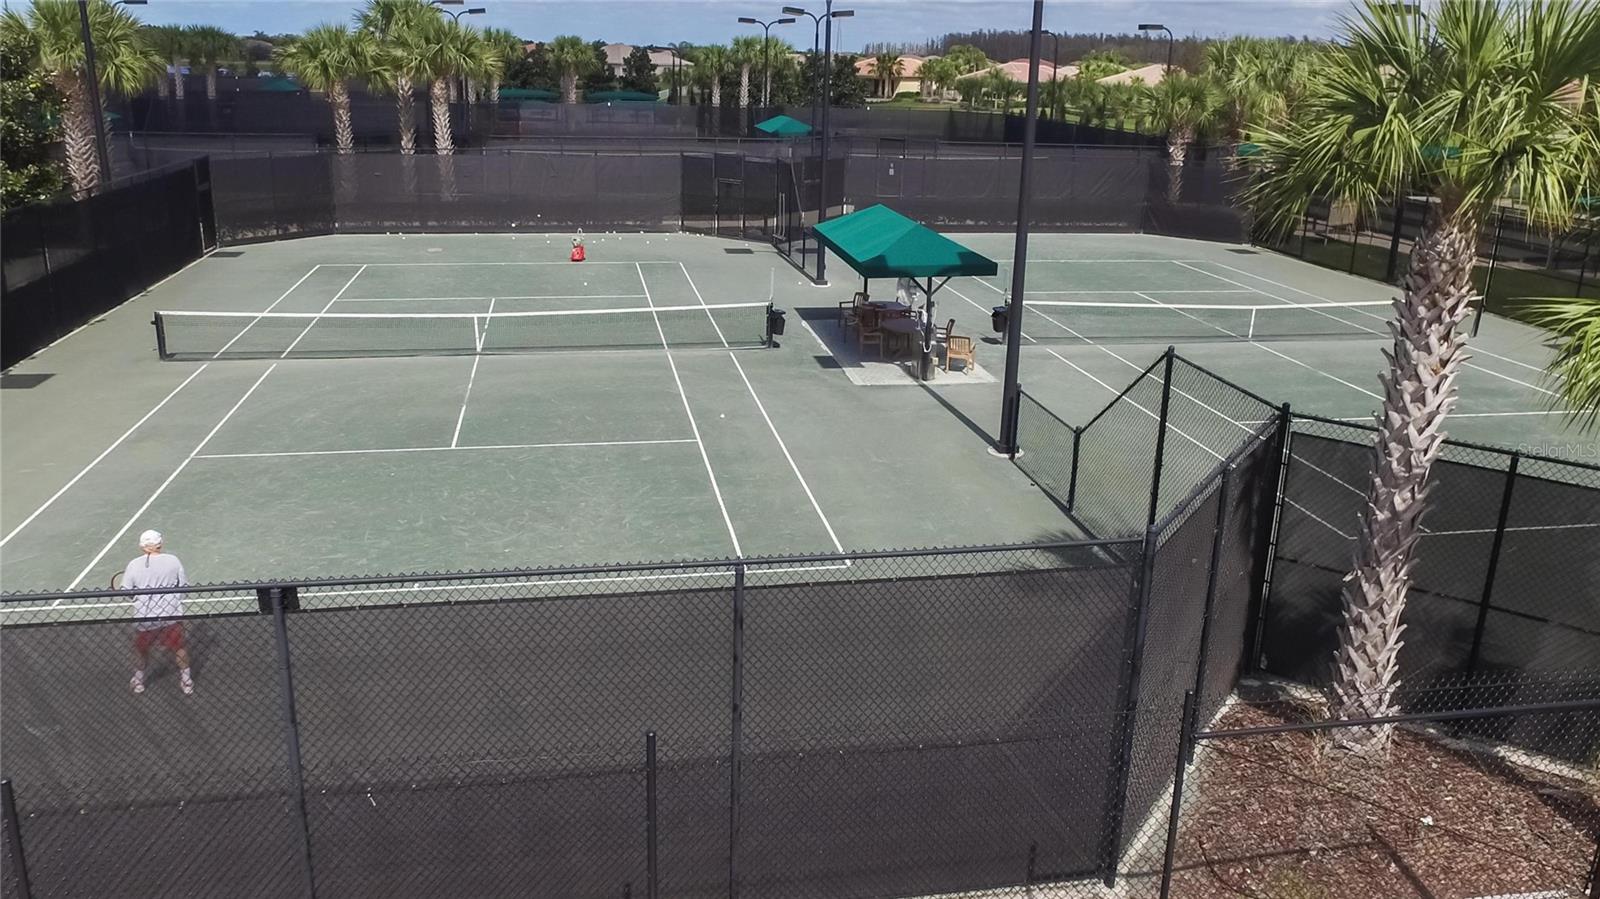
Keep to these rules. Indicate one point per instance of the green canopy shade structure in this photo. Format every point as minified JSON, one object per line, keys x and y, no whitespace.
{"x":620,"y":97}
{"x":527,"y":93}
{"x":880,"y":243}
{"x":784,"y":126}
{"x":279,"y":86}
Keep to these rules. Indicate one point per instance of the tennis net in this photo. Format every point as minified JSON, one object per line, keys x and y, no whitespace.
{"x":1104,"y":321}
{"x":255,"y":335}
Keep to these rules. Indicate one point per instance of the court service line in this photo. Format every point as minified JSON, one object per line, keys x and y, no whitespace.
{"x":1318,"y":519}
{"x":1123,"y":359}
{"x":170,"y":478}
{"x":437,"y":449}
{"x":762,"y":408}
{"x":1475,"y":348}
{"x":324,"y":310}
{"x":549,"y":296}
{"x":1259,"y":345}
{"x":1138,"y":292}
{"x":1352,"y":324}
{"x":1367,"y":419}
{"x":106,"y":452}
{"x":689,"y":411}
{"x":472,"y":377}
{"x":281,"y":297}
{"x":591,"y":262}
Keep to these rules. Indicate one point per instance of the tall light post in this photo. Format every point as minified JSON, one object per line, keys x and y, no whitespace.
{"x":1011,"y":397}
{"x":1157,"y":27}
{"x":766,"y":40}
{"x":456,"y":16}
{"x":1055,"y":70}
{"x":828,"y":15}
{"x":816,"y":40}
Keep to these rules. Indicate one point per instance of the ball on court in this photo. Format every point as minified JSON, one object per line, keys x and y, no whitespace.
{"x":722,"y":415}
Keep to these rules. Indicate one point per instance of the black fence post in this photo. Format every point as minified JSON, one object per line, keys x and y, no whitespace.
{"x":1161,"y":435}
{"x":19,"y":861}
{"x":1219,"y":531}
{"x":1127,"y":708}
{"x":1270,"y":549}
{"x":1488,"y":277}
{"x":1185,"y":757}
{"x":292,"y":735}
{"x":1494,"y":564}
{"x":1072,"y":483}
{"x":736,"y":739}
{"x":650,"y":858}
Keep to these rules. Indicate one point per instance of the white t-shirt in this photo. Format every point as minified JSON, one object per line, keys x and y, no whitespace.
{"x":159,"y":570}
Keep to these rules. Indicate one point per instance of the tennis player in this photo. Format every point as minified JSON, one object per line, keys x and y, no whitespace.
{"x":156,"y":613}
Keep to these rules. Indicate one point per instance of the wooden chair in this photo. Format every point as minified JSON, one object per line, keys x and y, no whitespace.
{"x":942,"y":335}
{"x":958,"y":347}
{"x":850,"y":313}
{"x":867,"y":331}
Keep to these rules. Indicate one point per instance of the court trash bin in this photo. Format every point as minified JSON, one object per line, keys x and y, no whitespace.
{"x":775,"y":320}
{"x":997,"y":318}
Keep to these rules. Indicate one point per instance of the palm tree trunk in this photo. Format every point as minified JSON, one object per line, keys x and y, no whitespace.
{"x":716,"y":93}
{"x":455,"y":91}
{"x":344,"y":135}
{"x":405,"y":112}
{"x":569,"y":87}
{"x":163,"y":87}
{"x":744,"y":86}
{"x":211,"y":83}
{"x":177,"y":80}
{"x":1177,"y":153}
{"x":1419,"y":390}
{"x":77,"y":133}
{"x":439,"y":95}
{"x":494,"y":90}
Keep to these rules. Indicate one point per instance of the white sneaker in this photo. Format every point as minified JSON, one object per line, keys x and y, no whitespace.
{"x":187,"y":684}
{"x":137,"y":683}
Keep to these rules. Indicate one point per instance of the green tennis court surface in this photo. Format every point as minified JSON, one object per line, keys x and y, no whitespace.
{"x":630,"y":413}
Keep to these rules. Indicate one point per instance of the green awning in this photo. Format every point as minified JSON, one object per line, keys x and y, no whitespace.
{"x":620,"y":97}
{"x":784,"y":126}
{"x":527,"y":93}
{"x":279,"y":86}
{"x":880,"y":243}
{"x":1247,"y":149}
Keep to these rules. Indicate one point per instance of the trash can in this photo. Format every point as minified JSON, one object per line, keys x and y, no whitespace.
{"x":775,"y":320}
{"x":997,"y":318}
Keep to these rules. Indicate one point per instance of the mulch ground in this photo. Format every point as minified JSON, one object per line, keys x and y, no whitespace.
{"x":1271,"y":818}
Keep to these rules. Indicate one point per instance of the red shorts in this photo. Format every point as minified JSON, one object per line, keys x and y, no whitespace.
{"x":170,"y":636}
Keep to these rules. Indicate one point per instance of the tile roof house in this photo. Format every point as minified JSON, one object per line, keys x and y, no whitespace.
{"x":1017,"y":70}
{"x":909,"y":80}
{"x":616,"y":54}
{"x":1151,"y":75}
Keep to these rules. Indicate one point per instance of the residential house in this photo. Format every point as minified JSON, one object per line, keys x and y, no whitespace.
{"x":1151,"y":75}
{"x":616,"y":54}
{"x":909,"y":80}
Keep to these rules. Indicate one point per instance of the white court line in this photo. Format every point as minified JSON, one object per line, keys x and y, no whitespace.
{"x":324,"y":309}
{"x":471,"y":377}
{"x":1092,"y":261}
{"x":1352,"y":324}
{"x":591,"y":262}
{"x":1274,"y":352}
{"x":170,"y":478}
{"x":709,"y":317}
{"x":793,"y":466}
{"x":435,"y":588}
{"x":1327,"y":474}
{"x":193,"y":262}
{"x":437,"y":449}
{"x":1367,"y":419}
{"x":689,"y":411}
{"x":1314,"y":517}
{"x":550,"y":296}
{"x":281,"y":297}
{"x":1475,"y":349}
{"x":1123,"y":359}
{"x":1137,"y":292}
{"x":1575,"y":526}
{"x":118,"y":442}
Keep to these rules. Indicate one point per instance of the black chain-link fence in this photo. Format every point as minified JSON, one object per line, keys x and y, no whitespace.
{"x":1517,"y":259}
{"x":69,"y":261}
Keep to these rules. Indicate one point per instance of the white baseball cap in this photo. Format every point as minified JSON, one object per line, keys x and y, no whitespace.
{"x":150,"y":538}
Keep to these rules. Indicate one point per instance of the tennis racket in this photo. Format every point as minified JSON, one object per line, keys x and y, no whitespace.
{"x":116,"y":581}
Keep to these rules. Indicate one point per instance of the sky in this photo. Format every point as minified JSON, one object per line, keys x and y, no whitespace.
{"x":706,"y":21}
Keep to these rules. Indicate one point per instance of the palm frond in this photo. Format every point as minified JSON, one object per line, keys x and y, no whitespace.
{"x":1574,"y":325}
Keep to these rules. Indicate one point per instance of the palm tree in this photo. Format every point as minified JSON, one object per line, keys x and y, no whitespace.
{"x":711,"y":64}
{"x":507,"y":49}
{"x":1469,"y":106}
{"x":172,"y":42}
{"x":572,"y":59}
{"x":888,"y":68}
{"x":938,"y":74}
{"x":402,"y":57}
{"x":746,"y":53}
{"x":209,"y":45}
{"x":124,"y":63}
{"x":1185,"y":107}
{"x":776,"y":56}
{"x":323,"y":59}
{"x":486,"y":62}
{"x":1574,"y":325}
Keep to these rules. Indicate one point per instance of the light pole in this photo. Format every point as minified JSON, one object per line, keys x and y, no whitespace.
{"x":1156,"y":27}
{"x":1055,"y":71}
{"x":816,"y":39}
{"x":829,"y":14}
{"x":92,"y":75}
{"x":456,"y":16}
{"x":1011,"y":398}
{"x":766,"y":41}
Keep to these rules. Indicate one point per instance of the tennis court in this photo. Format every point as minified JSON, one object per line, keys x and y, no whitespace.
{"x":356,"y":405}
